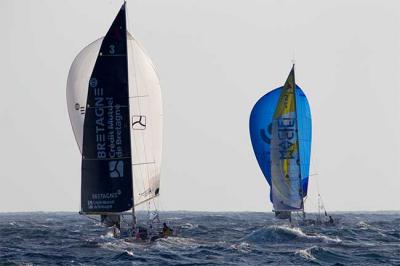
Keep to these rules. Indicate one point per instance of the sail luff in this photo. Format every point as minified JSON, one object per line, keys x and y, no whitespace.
{"x":298,"y":138}
{"x":130,"y":129}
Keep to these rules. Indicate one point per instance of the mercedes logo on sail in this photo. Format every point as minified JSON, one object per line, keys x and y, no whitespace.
{"x":138,"y":122}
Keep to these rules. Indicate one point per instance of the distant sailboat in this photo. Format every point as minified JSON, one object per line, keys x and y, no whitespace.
{"x":280,"y":131}
{"x":115,"y":108}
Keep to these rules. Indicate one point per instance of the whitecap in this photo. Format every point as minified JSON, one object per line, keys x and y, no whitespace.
{"x":107,"y":235}
{"x":300,"y":234}
{"x":243,"y":247}
{"x":278,"y":233}
{"x":363,"y":225}
{"x":130,"y":253}
{"x":188,"y":226}
{"x":306,"y":253}
{"x":180,"y":242}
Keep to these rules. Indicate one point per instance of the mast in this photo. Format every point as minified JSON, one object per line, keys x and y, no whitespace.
{"x":127,"y":63}
{"x":298,"y":139}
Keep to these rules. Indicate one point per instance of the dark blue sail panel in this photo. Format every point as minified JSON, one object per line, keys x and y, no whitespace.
{"x":106,"y":150}
{"x":261,"y":119}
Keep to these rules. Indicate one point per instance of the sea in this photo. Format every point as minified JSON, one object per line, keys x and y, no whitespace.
{"x":370,"y":238}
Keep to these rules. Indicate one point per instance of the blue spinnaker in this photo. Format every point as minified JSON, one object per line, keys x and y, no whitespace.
{"x":264,"y":132}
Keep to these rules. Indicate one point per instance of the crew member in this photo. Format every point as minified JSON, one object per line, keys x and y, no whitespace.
{"x":166,"y":231}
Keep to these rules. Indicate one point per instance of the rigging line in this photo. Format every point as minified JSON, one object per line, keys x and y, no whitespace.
{"x":91,"y":218}
{"x":155,"y":206}
{"x":158,"y":205}
{"x":143,"y":163}
{"x":146,"y":200}
{"x":139,"y":96}
{"x":148,"y":211}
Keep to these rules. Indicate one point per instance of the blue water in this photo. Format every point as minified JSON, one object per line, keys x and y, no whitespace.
{"x":205,"y":239}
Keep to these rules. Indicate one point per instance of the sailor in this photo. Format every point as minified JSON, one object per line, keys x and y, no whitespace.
{"x":166,"y":231}
{"x":142,"y":234}
{"x":117,"y":229}
{"x":331,"y":221}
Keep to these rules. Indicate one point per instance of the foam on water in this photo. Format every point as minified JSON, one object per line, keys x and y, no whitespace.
{"x":274,"y":233}
{"x":177,"y":242}
{"x":306,"y":253}
{"x":242,"y":247}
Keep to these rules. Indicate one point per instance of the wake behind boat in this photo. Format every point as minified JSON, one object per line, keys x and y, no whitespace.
{"x":280,"y":131}
{"x":115,"y":108}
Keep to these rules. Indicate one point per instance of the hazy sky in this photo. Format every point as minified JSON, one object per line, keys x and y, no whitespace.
{"x":215,"y":58}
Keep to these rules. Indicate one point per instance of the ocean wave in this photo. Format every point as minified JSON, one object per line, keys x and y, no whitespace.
{"x":278,"y":233}
{"x":306,"y":253}
{"x":188,"y":226}
{"x":180,"y":242}
{"x":367,"y":227}
{"x":323,"y":255}
{"x":363,"y":225}
{"x":255,"y":239}
{"x":242,"y":247}
{"x":107,"y":235}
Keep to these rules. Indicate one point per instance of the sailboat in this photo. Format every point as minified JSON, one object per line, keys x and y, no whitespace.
{"x":280,"y":131}
{"x":115,"y":108}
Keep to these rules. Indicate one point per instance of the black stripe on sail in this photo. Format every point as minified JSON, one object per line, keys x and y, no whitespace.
{"x":106,"y":156}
